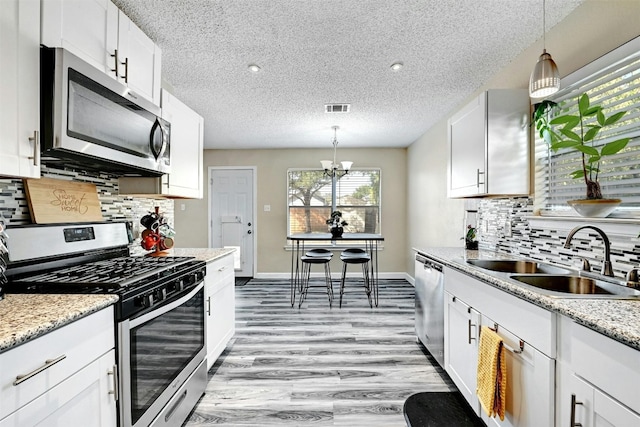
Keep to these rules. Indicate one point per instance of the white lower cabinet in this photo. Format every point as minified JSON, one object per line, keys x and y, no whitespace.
{"x":220,"y":307}
{"x":62,"y":377}
{"x":590,"y":407}
{"x":471,"y":303}
{"x":461,"y":347}
{"x":598,"y":381}
{"x":530,"y":383}
{"x":86,"y":397}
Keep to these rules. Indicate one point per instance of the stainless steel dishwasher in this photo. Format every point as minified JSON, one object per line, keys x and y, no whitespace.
{"x":429,"y":317}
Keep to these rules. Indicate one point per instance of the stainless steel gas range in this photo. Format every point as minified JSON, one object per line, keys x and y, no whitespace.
{"x":159,"y":316}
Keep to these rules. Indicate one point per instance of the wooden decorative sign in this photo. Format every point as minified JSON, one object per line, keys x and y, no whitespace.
{"x":53,"y":201}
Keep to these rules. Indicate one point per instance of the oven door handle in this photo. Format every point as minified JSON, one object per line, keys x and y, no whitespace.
{"x":162,"y":309}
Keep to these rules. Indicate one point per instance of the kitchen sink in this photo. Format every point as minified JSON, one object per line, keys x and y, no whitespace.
{"x":577,"y":286}
{"x":517,"y":266}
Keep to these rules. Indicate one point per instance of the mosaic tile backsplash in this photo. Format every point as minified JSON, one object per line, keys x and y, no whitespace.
{"x":505,"y":228}
{"x":14,"y":206}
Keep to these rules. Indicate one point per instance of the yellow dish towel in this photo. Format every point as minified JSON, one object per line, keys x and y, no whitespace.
{"x":492,"y":373}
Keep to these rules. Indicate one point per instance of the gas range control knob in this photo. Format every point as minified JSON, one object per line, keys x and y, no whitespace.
{"x":148,"y":300}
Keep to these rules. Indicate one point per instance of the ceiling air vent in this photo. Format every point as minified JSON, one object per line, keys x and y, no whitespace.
{"x":337,"y":108}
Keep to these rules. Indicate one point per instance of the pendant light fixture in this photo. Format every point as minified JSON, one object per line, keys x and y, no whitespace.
{"x":331,"y":167}
{"x":545,"y":78}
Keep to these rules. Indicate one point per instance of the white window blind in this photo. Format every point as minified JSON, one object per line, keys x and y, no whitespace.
{"x":357,"y":197}
{"x":612,"y":82}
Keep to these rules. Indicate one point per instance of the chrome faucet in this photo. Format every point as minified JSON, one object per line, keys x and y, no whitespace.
{"x":607,"y":269}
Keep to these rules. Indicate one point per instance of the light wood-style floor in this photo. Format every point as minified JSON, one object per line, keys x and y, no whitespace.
{"x":351,"y":366}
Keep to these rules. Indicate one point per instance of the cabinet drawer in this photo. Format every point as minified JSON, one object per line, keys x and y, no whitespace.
{"x":75,"y":346}
{"x":609,"y":365}
{"x":533,"y":324}
{"x":219,"y":273}
{"x":87,"y":395}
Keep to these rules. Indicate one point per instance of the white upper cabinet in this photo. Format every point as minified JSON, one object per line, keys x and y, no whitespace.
{"x":20,"y":88}
{"x":88,"y":29}
{"x":489,"y":145}
{"x":102,"y":35}
{"x":187,"y":136}
{"x":186,"y":145}
{"x":139,"y":59}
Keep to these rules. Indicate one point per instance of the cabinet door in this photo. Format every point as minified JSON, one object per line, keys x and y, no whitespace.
{"x":593,"y":408}
{"x":530,"y":383}
{"x":187,"y":132}
{"x":139,"y":60}
{"x":20,"y":88}
{"x":88,"y":29}
{"x":467,"y":149}
{"x":88,"y":395}
{"x":220,"y":307}
{"x":461,"y":347}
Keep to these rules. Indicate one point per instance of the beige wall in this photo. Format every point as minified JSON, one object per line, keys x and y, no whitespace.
{"x":271,"y":166}
{"x":593,"y":29}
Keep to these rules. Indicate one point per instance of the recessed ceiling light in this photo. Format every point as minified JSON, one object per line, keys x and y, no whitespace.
{"x":254,"y":68}
{"x":397,"y":66}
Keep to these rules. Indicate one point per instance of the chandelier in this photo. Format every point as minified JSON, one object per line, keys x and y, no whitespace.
{"x":331,"y":168}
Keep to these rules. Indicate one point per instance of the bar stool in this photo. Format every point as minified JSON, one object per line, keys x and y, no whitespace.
{"x":356,"y":256}
{"x":319,"y":252}
{"x":307,"y":262}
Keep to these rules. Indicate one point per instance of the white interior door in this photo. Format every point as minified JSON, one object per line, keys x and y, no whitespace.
{"x":232,"y":215}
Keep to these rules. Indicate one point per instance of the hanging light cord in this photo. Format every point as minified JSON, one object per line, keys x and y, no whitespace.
{"x":544,"y":25}
{"x":335,"y":146}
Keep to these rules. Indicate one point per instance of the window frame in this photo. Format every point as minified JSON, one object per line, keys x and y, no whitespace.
{"x":574,"y":83}
{"x":318,"y":243}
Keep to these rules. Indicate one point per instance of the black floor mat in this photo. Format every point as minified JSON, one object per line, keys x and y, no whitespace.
{"x":241,"y":281}
{"x":439,"y":409}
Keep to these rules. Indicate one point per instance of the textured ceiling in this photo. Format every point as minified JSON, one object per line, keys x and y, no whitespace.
{"x":313,"y":52}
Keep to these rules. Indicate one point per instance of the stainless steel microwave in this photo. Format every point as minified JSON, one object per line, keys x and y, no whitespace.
{"x":92,"y":121}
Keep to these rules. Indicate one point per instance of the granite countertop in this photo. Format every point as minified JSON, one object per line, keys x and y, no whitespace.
{"x":204,"y":254}
{"x":617,"y":319}
{"x":24,"y":317}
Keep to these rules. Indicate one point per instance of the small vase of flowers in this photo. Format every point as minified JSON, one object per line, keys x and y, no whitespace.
{"x":336,"y":224}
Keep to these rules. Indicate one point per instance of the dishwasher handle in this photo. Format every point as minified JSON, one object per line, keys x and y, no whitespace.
{"x":429,"y":264}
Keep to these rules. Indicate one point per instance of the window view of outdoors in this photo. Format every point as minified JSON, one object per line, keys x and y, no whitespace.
{"x":357,"y":197}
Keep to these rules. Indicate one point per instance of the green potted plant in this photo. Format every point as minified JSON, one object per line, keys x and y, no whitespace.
{"x":470,"y":241}
{"x":578,"y":132}
{"x":336,"y":223}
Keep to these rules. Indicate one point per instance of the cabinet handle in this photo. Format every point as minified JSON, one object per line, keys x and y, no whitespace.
{"x":47,"y":364}
{"x":222,"y":268}
{"x":126,"y":70}
{"x":470,"y":337}
{"x":574,"y":402}
{"x":209,"y":306}
{"x":36,"y":147}
{"x":116,"y":62}
{"x":114,"y":372}
{"x":478,"y":173}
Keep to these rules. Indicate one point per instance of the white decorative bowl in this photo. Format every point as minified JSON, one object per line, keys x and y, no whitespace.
{"x":594,"y":208}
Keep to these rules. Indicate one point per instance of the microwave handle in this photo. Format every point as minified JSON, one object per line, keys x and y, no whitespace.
{"x":157,"y":127}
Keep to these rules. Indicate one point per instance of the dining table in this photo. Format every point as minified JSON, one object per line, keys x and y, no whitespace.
{"x":370,"y":241}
